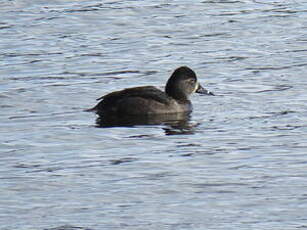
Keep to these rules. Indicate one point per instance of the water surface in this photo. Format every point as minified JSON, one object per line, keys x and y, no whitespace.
{"x":238,"y":163}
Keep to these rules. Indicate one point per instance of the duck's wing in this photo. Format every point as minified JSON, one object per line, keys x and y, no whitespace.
{"x":146,"y":92}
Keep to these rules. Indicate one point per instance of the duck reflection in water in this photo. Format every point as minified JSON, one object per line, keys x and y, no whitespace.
{"x":148,"y":105}
{"x":173,"y":124}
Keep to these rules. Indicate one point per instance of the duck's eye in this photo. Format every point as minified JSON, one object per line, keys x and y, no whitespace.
{"x":192,"y":81}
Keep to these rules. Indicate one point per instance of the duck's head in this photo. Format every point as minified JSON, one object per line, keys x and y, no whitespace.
{"x":182,"y":83}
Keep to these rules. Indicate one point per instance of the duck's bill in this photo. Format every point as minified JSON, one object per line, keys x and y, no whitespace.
{"x":202,"y":90}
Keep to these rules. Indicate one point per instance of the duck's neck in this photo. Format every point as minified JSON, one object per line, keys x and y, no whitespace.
{"x":176,"y":94}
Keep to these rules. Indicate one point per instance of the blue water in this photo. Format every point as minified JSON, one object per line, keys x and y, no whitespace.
{"x":238,"y":163}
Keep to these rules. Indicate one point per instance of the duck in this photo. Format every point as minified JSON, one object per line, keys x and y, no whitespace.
{"x":149,"y":100}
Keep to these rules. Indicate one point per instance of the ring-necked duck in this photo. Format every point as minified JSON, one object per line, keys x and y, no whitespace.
{"x":148,"y":100}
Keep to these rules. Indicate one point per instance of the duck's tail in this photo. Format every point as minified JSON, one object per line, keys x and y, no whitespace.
{"x":94,"y":109}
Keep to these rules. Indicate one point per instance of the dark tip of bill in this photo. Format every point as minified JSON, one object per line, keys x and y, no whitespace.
{"x":202,"y":90}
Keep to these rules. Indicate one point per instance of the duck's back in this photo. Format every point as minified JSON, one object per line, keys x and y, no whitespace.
{"x":139,"y":101}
